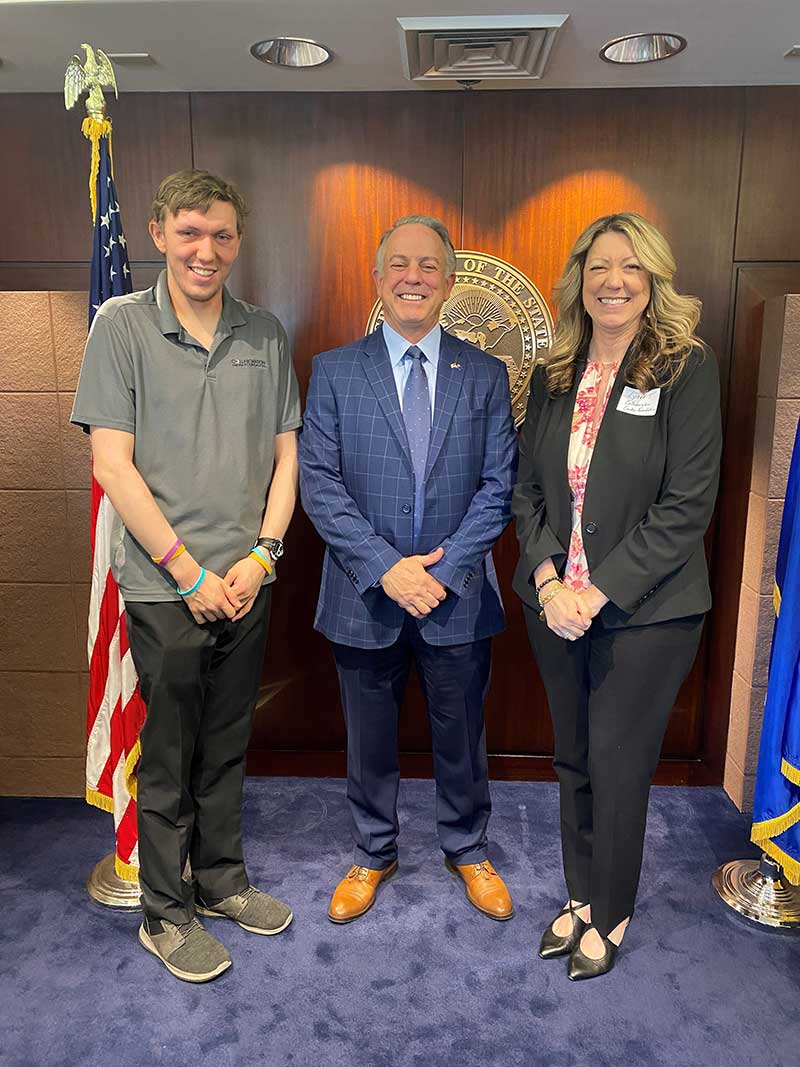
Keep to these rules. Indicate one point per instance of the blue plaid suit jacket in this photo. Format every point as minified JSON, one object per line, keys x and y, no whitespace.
{"x":357,"y":485}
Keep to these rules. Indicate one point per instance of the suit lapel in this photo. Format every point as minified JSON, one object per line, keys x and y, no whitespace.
{"x":449,"y":380}
{"x":378,"y":369}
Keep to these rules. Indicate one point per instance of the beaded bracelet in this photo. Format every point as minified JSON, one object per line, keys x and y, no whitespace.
{"x":259,"y":556}
{"x":196,"y":586}
{"x":173,"y":553}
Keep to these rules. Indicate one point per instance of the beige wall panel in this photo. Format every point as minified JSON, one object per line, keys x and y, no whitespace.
{"x":26,"y":343}
{"x":61,"y":776}
{"x":69,"y":316}
{"x":30,"y":446}
{"x":44,"y":714}
{"x":787,"y":413}
{"x":34,"y":544}
{"x":38,"y":628}
{"x":747,"y":712}
{"x":80,"y":599}
{"x":75,"y":447}
{"x":79,"y":518}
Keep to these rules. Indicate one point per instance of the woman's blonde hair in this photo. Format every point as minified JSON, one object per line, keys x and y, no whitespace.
{"x":666,"y":336}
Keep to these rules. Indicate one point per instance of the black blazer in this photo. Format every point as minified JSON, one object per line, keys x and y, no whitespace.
{"x":649,"y":497}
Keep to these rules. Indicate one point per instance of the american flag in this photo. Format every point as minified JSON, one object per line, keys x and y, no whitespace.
{"x":116,"y":711}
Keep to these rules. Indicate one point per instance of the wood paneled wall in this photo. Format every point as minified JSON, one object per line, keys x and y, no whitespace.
{"x":516,"y":174}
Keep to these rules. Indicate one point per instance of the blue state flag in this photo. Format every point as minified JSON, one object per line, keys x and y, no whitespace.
{"x":776,"y":806}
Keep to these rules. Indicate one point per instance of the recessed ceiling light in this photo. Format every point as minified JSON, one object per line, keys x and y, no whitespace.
{"x":642,"y":48}
{"x":793,"y":53}
{"x":291,"y":52}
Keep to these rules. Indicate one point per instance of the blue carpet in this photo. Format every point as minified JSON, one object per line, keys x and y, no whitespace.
{"x":423,"y":979}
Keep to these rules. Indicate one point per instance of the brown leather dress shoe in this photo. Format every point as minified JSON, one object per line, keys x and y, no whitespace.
{"x":355,"y":894}
{"x":486,"y":890}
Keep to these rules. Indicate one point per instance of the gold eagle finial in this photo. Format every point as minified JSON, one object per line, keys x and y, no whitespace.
{"x":93,"y":74}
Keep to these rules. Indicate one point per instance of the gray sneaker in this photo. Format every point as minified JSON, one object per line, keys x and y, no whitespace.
{"x":253,"y":910}
{"x":187,"y":951}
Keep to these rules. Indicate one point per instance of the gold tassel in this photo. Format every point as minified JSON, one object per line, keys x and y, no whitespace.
{"x":776,"y":600}
{"x":93,"y":130}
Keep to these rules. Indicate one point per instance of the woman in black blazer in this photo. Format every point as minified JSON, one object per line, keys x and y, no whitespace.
{"x":619,"y":466}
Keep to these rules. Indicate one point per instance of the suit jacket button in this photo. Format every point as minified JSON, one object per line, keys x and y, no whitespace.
{"x":406,"y":509}
{"x":591,"y":527}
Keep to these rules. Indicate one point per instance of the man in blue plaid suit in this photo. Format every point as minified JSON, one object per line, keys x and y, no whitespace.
{"x":407,"y":459}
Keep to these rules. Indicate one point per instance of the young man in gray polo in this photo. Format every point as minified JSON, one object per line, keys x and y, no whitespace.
{"x":192,"y":404}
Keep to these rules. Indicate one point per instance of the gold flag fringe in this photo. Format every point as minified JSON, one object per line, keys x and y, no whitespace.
{"x":790,"y":772}
{"x":131,"y":765}
{"x":125,"y":871}
{"x":99,"y":800}
{"x":93,"y":130}
{"x":763,"y":832}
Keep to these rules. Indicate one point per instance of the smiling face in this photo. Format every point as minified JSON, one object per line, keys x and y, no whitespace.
{"x":200,"y":249}
{"x":616,"y":287}
{"x":413,"y":282}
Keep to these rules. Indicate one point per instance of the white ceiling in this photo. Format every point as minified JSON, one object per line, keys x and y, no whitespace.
{"x":204,"y":44}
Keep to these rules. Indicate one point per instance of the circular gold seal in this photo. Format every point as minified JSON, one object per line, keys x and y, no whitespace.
{"x":496,"y":308}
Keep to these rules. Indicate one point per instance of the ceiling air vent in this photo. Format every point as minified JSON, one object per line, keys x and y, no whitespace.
{"x":480,"y":47}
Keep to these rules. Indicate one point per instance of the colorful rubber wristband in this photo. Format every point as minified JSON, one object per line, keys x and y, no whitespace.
{"x":258,"y":556}
{"x":162,"y":561}
{"x":196,"y":586}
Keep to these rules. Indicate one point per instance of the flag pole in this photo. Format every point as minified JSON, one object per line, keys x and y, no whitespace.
{"x":767,"y":891}
{"x":114,"y":880}
{"x":759,"y":891}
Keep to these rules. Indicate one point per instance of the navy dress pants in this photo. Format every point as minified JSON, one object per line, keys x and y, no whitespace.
{"x":454,"y":680}
{"x":199,"y":684}
{"x":610,"y":695}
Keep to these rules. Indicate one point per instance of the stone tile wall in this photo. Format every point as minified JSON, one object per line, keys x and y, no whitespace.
{"x":777,"y":413}
{"x":45,"y":479}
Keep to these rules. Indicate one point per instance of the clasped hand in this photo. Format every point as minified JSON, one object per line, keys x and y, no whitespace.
{"x":570,"y":614}
{"x":409,"y":584}
{"x":230,"y":597}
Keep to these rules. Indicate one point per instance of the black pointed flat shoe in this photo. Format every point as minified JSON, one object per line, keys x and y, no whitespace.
{"x":553,"y":945}
{"x":581,"y":966}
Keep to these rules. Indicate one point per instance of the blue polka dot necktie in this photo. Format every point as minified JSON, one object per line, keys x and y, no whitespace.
{"x":417,"y":417}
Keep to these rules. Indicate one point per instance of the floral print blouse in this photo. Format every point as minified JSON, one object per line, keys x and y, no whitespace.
{"x":590,"y":405}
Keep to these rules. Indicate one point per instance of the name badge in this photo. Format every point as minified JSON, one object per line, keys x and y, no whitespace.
{"x":632,"y":402}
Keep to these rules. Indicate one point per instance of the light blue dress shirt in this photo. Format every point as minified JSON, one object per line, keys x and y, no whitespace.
{"x":398,"y":346}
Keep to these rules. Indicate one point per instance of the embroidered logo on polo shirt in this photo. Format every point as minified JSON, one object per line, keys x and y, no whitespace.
{"x":260,"y":363}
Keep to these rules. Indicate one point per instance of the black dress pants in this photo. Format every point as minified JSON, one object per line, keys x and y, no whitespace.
{"x":610,"y":695}
{"x":454,"y":680}
{"x":199,"y":684}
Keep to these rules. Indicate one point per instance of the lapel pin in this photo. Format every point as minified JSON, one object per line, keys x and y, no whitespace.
{"x":455,"y":366}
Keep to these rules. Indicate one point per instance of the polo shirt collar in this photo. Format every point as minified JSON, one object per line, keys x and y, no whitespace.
{"x":232,"y":314}
{"x":397,"y":346}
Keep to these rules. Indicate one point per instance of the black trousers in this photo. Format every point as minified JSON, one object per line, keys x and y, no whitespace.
{"x":454,"y":680}
{"x":610,"y":695}
{"x":199,"y":684}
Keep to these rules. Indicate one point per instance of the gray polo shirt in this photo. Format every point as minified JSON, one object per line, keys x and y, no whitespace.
{"x":204,"y":423}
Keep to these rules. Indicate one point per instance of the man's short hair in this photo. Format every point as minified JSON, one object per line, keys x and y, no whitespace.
{"x":196,"y":190}
{"x":438,"y":228}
